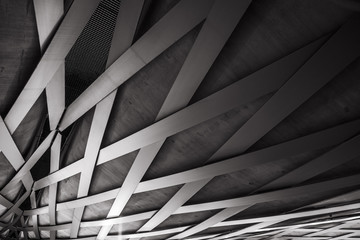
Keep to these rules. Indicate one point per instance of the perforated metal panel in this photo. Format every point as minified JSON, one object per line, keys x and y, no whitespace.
{"x":87,"y":58}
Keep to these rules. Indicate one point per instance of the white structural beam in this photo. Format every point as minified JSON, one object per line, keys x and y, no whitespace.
{"x":275,"y":218}
{"x":221,"y":21}
{"x":177,"y":22}
{"x":264,"y":81}
{"x":54,"y":166}
{"x":13,"y":155}
{"x":270,"y":220}
{"x":15,"y":208}
{"x":34,"y":217}
{"x":48,"y":14}
{"x":247,"y":229}
{"x":179,"y":199}
{"x":247,"y":200}
{"x":270,"y":115}
{"x":278,"y":71}
{"x":335,"y":157}
{"x":181,"y":196}
{"x":218,"y":217}
{"x":274,"y":195}
{"x":24,"y":170}
{"x":125,"y":27}
{"x":9,"y":148}
{"x":126,"y":23}
{"x":283,"y":217}
{"x":97,"y":130}
{"x":55,"y":97}
{"x":337,"y":53}
{"x":322,"y":139}
{"x":65,"y":37}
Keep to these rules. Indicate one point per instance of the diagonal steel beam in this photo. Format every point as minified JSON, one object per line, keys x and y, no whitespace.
{"x":54,"y":56}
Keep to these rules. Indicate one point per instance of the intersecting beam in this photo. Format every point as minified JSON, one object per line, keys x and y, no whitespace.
{"x":97,"y":130}
{"x":48,"y":14}
{"x":162,"y":35}
{"x":148,"y":234}
{"x":13,"y":155}
{"x":247,"y":229}
{"x":322,"y":139}
{"x":234,"y":164}
{"x":283,"y":217}
{"x":218,"y":26}
{"x":348,"y":195}
{"x":189,"y":189}
{"x":230,"y":212}
{"x":338,"y":183}
{"x":9,"y":148}
{"x":337,"y":156}
{"x":243,"y":91}
{"x":125,"y":27}
{"x":264,"y":81}
{"x":269,"y":115}
{"x":218,"y":217}
{"x":335,"y":228}
{"x":276,"y":218}
{"x":54,"y":56}
{"x":54,"y":166}
{"x":4,"y":202}
{"x":174,"y":203}
{"x":290,"y":62}
{"x":126,"y":23}
{"x":265,"y":197}
{"x":15,"y":208}
{"x":29,"y":163}
{"x":34,"y":217}
{"x":24,"y":232}
{"x":337,"y":53}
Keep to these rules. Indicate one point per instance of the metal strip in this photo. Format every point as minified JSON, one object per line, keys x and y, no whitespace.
{"x":161,"y":36}
{"x":64,"y":39}
{"x":55,"y":97}
{"x":310,"y":142}
{"x":48,"y":14}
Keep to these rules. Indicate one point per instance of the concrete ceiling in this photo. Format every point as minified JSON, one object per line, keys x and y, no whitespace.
{"x":179,"y":119}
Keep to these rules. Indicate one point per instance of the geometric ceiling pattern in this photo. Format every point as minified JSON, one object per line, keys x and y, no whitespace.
{"x":205,"y":119}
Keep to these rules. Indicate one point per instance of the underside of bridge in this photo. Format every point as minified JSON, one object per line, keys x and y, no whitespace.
{"x":180,"y":119}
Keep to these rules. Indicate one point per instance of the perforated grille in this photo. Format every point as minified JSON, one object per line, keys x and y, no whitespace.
{"x":87,"y":58}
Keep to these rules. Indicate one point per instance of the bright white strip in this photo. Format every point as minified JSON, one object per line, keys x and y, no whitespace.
{"x":54,"y":166}
{"x":246,"y":230}
{"x":264,"y":81}
{"x":125,"y":27}
{"x":48,"y":14}
{"x":270,"y":115}
{"x":182,"y":196}
{"x":9,"y":148}
{"x":161,"y":36}
{"x":217,"y":28}
{"x":29,"y":163}
{"x":270,"y":219}
{"x":245,"y":90}
{"x":337,"y":156}
{"x":337,"y":53}
{"x":274,"y":195}
{"x":284,"y":217}
{"x":34,"y":217}
{"x":219,"y":217}
{"x":126,"y":23}
{"x":311,"y":142}
{"x":55,"y":97}
{"x":97,"y":130}
{"x":65,"y":37}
